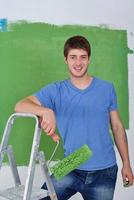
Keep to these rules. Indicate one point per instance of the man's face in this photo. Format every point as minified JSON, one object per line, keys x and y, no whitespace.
{"x":77,"y":61}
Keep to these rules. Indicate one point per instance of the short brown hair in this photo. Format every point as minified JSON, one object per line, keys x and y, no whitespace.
{"x":77,"y":42}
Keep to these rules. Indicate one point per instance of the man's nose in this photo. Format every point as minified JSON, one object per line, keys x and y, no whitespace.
{"x":78,"y":61}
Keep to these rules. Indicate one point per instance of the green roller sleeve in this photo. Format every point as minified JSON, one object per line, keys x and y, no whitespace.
{"x":71,"y":162}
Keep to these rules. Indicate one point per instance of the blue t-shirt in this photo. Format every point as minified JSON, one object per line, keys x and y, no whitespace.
{"x":83,"y":117}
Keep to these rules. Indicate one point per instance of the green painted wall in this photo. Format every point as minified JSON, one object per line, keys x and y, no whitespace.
{"x":31,"y":56}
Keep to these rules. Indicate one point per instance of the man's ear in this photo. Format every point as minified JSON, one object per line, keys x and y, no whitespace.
{"x":65,"y":60}
{"x":88,"y":60}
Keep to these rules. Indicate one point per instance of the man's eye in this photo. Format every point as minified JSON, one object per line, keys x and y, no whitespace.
{"x":84,"y":57}
{"x":72,"y":57}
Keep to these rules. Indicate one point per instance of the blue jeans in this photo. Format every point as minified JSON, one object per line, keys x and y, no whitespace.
{"x":93,"y":185}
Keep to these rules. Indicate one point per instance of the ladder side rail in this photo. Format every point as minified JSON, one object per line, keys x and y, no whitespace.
{"x":4,"y":141}
{"x":32,"y":162}
{"x":45,"y":171}
{"x":13,"y":166}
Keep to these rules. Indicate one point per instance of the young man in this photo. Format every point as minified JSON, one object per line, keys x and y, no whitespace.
{"x":82,"y":108}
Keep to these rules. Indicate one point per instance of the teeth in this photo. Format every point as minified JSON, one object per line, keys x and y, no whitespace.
{"x":77,"y":68}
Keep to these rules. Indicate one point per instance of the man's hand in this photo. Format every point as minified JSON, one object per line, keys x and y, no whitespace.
{"x":48,"y":121}
{"x":127,"y":175}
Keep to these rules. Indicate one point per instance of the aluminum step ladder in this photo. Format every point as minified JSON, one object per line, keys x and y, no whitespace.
{"x":27,"y":192}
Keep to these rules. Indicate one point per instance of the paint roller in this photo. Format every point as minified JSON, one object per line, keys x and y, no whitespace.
{"x":71,"y":162}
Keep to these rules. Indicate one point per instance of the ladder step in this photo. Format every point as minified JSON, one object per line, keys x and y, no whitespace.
{"x":16,"y":193}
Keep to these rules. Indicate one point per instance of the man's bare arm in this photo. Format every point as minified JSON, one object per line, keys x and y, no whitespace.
{"x":32,"y":105}
{"x":122,"y":145}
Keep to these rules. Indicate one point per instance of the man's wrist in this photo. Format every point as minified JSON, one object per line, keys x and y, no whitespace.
{"x":43,"y":111}
{"x":126,"y":163}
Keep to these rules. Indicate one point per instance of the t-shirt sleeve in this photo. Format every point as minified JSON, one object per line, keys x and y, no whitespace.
{"x":46,"y":96}
{"x":113,"y":99}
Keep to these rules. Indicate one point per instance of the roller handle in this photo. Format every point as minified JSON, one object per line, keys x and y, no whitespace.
{"x":55,"y":137}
